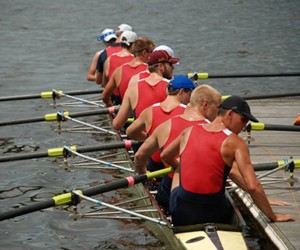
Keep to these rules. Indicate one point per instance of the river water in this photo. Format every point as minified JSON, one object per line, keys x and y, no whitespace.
{"x":50,"y":44}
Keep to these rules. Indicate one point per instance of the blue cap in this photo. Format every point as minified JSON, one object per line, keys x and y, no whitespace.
{"x":181,"y":82}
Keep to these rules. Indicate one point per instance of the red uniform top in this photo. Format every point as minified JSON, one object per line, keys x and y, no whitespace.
{"x":150,"y":94}
{"x":144,"y":74}
{"x":158,"y":117}
{"x":202,"y":168}
{"x":127,"y":72}
{"x":116,"y":61}
{"x":178,"y":124}
{"x":112,"y":50}
{"x":116,"y":47}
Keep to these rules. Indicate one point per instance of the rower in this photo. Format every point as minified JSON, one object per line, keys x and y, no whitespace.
{"x":202,"y":108}
{"x":115,"y":60}
{"x":208,"y":154}
{"x":123,"y":56}
{"x":179,"y":93}
{"x":108,"y":37}
{"x":114,"y":48}
{"x":142,"y":48}
{"x":149,"y":90}
{"x":146,"y":73}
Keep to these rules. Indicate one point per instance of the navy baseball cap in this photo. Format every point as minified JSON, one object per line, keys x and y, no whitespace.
{"x":239,"y":105}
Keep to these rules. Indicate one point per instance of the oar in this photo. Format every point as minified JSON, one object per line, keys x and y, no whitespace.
{"x":49,"y":94}
{"x":273,"y":127}
{"x":66,"y":199}
{"x":273,"y":165}
{"x":54,"y":116}
{"x":54,"y":152}
{"x":257,"y":97}
{"x":196,"y":75}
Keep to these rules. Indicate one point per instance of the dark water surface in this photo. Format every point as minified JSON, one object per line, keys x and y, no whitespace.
{"x":50,"y":44}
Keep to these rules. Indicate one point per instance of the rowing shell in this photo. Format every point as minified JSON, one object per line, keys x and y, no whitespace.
{"x":214,"y":236}
{"x":201,"y":240}
{"x":204,"y":236}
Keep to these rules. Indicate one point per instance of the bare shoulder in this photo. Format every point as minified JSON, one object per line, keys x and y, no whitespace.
{"x":98,"y":53}
{"x":133,"y":79}
{"x":130,"y":89}
{"x":163,"y":127}
{"x":162,"y":132}
{"x":187,"y":131}
{"x":146,"y":112}
{"x":234,"y":140}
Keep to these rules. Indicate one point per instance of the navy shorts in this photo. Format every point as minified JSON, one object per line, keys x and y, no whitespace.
{"x":191,"y":212}
{"x":154,"y":166}
{"x":163,"y":192}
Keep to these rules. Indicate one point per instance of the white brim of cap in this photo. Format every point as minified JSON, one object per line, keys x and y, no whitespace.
{"x":107,"y":38}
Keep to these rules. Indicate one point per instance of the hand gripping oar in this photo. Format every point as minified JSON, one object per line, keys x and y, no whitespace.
{"x":49,"y":94}
{"x":54,"y":152}
{"x":197,"y":75}
{"x":66,"y":199}
{"x":53,"y":116}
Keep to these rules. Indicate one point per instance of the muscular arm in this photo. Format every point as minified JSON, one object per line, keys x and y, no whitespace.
{"x":105,"y":72}
{"x":136,"y":130}
{"x":237,"y":178}
{"x":145,"y":151}
{"x":92,"y":70}
{"x":124,"y":112}
{"x":169,"y":155}
{"x":109,"y":88}
{"x":255,"y":189}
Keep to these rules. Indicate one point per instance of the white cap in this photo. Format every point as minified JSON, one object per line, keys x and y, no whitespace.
{"x":165,"y":48}
{"x":106,"y":35}
{"x":124,"y":27}
{"x":128,"y":37}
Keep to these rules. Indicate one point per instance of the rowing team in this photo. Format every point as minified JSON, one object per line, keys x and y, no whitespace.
{"x":180,"y":125}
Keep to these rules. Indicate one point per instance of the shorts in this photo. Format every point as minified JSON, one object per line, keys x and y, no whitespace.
{"x":191,"y":212}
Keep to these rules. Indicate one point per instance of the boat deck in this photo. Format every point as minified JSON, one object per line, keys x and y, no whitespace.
{"x":272,"y":146}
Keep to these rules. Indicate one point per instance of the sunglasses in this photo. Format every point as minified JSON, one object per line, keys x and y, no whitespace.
{"x":244,"y":119}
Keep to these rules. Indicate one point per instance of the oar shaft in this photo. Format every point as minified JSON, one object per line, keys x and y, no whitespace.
{"x":19,"y":157}
{"x":273,"y":127}
{"x":66,"y":199}
{"x":272,"y":165}
{"x":22,"y":121}
{"x":48,"y":94}
{"x":271,"y":96}
{"x":197,"y":75}
{"x":126,"y":182}
{"x":53,"y":116}
{"x":27,"y":209}
{"x":54,"y":152}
